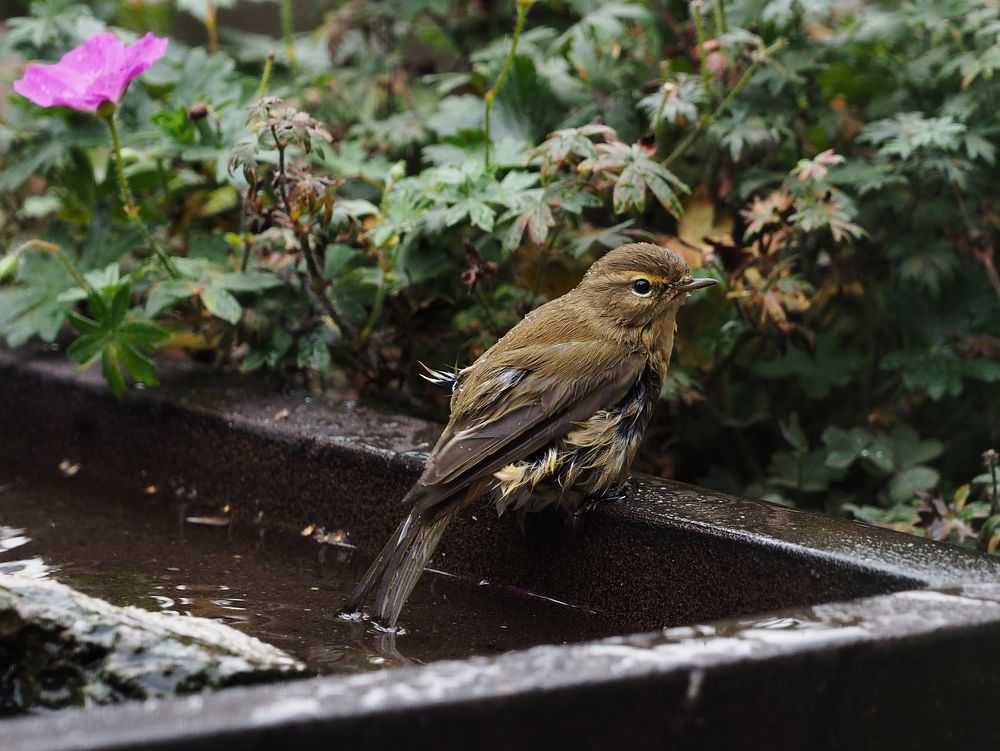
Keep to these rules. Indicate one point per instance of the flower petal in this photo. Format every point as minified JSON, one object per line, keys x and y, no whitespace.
{"x":97,"y":71}
{"x":51,"y":86}
{"x":141,"y":54}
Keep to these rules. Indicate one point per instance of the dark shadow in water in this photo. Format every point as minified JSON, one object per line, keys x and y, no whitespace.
{"x":171,"y":552}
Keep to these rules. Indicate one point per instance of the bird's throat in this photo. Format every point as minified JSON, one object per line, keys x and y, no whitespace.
{"x":658,"y":339}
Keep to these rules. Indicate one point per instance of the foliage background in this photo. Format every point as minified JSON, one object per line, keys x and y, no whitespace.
{"x":347,"y":213}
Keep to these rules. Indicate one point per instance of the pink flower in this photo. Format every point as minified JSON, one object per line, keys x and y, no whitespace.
{"x":90,"y":75}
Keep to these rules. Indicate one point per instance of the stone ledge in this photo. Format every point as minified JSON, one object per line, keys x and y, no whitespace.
{"x":862,"y":637}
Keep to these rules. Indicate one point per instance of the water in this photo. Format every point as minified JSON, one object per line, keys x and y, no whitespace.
{"x":156,"y":550}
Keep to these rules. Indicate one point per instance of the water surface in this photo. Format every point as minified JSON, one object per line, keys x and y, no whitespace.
{"x":167,"y":550}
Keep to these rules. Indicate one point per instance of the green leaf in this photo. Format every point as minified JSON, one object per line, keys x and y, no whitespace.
{"x":479,"y":214}
{"x":143,"y":334}
{"x":222,"y":304}
{"x":271,"y":355}
{"x":908,"y":448}
{"x":246,"y":281}
{"x":909,"y":482}
{"x":118,"y":307}
{"x":939,"y":370}
{"x":676,"y":102}
{"x":990,"y":527}
{"x":637,"y":172}
{"x":793,"y":433}
{"x":880,"y":455}
{"x":168,"y":293}
{"x":844,"y":446}
{"x":337,"y":258}
{"x":138,"y":365}
{"x":115,"y":339}
{"x":896,"y":515}
{"x":803,"y":472}
{"x":605,"y":237}
{"x":457,"y":113}
{"x":87,"y":348}
{"x":908,"y":132}
{"x":832,"y":365}
{"x":314,"y":353}
{"x":33,"y":308}
{"x":85,"y":325}
{"x":347,"y":211}
{"x":535,"y":216}
{"x":575,"y":142}
{"x":112,"y":372}
{"x":526,"y":107}
{"x":192,"y":268}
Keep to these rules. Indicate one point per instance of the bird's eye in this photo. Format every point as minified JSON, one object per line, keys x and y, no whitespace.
{"x":642,"y":287}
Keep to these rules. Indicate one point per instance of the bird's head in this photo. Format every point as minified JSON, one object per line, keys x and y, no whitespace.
{"x":638,"y":284}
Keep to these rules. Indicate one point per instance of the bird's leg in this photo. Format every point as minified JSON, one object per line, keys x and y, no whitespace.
{"x":521,"y":514}
{"x":385,"y":646}
{"x":622,"y":493}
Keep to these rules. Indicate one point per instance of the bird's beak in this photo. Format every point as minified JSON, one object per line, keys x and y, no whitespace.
{"x":690,"y":285}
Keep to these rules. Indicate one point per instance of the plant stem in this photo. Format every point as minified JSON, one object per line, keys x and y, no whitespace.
{"x":699,"y":30}
{"x":128,"y":204}
{"x":491,"y":95}
{"x":126,"y":194}
{"x":286,"y":31}
{"x":317,"y":283}
{"x":376,"y":313}
{"x":265,"y":77}
{"x":61,"y":255}
{"x":246,"y":250}
{"x":658,"y":121}
{"x":720,"y":17}
{"x":210,"y":27}
{"x":991,"y":459}
{"x":543,"y":260}
{"x":984,"y":254}
{"x":723,"y":105}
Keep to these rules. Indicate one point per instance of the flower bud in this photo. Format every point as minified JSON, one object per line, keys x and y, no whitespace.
{"x":8,"y":266}
{"x":197,"y":111}
{"x":106,"y":109}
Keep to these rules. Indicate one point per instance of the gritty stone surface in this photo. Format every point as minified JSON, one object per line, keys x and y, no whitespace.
{"x":62,"y":648}
{"x":875,"y":673}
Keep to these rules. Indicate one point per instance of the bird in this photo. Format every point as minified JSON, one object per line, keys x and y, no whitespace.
{"x":550,"y":415}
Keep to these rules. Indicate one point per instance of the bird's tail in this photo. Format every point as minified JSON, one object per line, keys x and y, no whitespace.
{"x":398,"y":566}
{"x":406,"y":566}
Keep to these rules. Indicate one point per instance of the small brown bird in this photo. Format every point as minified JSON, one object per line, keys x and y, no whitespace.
{"x":551,"y":414}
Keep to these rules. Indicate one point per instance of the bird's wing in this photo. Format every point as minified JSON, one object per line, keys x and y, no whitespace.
{"x":531,"y":397}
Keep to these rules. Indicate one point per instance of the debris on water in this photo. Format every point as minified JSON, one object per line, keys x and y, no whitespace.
{"x":337,"y":537}
{"x":281,"y":415}
{"x":68,"y":468}
{"x":209,"y":521}
{"x":150,"y":490}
